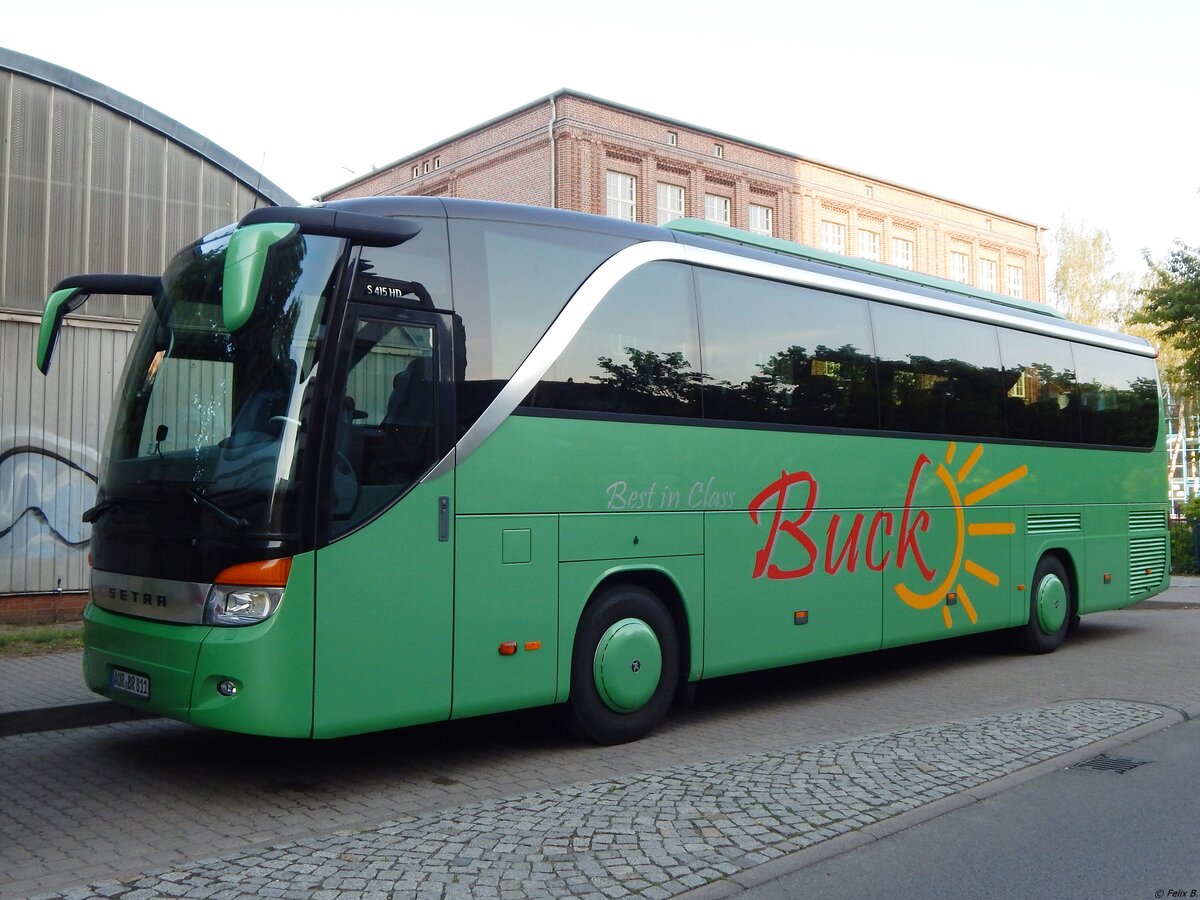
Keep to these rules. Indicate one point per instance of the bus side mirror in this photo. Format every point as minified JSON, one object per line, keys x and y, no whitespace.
{"x":57,"y":306}
{"x":245,"y":262}
{"x":71,"y":293}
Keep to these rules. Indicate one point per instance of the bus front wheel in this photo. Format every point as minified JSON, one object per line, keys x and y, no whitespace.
{"x":625,"y":666}
{"x":1051,"y":607}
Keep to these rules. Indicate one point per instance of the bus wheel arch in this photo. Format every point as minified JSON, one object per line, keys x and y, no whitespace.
{"x":626,"y":659}
{"x":1053,"y":603}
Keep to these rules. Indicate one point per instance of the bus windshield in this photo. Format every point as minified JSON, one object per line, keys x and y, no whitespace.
{"x":209,"y":424}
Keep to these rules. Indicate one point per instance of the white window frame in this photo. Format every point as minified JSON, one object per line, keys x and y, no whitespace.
{"x":960,"y":267}
{"x":716,"y":208}
{"x":761,"y":220}
{"x":1016,"y":282}
{"x":902,"y":253}
{"x":833,"y":237}
{"x":869,"y":244}
{"x":620,"y":193}
{"x":670,"y":202}
{"x":987,"y":274}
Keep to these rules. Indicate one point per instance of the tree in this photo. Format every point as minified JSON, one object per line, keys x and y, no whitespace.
{"x":1168,"y":314}
{"x":1171,"y":305}
{"x":1083,"y":287}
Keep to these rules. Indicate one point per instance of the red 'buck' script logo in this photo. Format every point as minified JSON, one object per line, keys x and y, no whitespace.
{"x":864,"y":541}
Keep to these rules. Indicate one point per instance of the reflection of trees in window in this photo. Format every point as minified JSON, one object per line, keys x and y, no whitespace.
{"x":649,"y":383}
{"x":824,"y":387}
{"x":1121,"y":415}
{"x":1041,"y":403}
{"x":650,"y":379}
{"x":942,"y":396}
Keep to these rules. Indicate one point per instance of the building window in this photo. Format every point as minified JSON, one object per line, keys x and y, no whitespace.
{"x":437,"y":162}
{"x":716,"y":209}
{"x":960,"y":267}
{"x":870,"y":192}
{"x":416,"y":171}
{"x":426,"y":167}
{"x":621,"y":196}
{"x":1016,"y":281}
{"x":718,"y":151}
{"x":987,"y":274}
{"x":833,"y":237}
{"x":760,"y":219}
{"x":673,"y":138}
{"x":868,"y":244}
{"x":902,"y":253}
{"x":670,"y":203}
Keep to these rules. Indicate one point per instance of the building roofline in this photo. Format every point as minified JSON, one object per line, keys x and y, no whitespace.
{"x":568,"y":92}
{"x":81,"y":85}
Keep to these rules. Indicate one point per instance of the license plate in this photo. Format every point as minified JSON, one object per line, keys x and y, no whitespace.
{"x":129,"y":683}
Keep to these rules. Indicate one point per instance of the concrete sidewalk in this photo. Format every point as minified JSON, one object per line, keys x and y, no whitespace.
{"x":37,"y":682}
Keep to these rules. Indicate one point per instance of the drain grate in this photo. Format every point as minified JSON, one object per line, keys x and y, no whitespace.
{"x":1106,"y":763}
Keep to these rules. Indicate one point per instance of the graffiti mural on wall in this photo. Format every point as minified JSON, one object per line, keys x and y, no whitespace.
{"x":46,"y":482}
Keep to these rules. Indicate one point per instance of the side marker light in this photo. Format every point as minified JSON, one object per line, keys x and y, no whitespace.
{"x":508,"y":648}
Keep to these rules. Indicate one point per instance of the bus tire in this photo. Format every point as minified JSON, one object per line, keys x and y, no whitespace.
{"x":625,"y":666}
{"x":1051,"y":607}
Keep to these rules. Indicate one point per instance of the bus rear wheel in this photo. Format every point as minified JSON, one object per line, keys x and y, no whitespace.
{"x":1051,"y":607}
{"x":625,"y":666}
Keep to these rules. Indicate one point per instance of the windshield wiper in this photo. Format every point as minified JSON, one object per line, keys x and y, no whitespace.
{"x":237,"y":523}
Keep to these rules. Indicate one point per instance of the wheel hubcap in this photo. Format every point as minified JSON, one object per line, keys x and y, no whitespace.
{"x":628,"y":665}
{"x":1051,"y":604}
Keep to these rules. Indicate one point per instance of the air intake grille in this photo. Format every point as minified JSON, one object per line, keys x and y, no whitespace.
{"x":1147,"y":520}
{"x":1047,"y":523}
{"x":1147,"y":562}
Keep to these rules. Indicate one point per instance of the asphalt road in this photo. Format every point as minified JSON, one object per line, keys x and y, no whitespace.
{"x":1125,"y":824}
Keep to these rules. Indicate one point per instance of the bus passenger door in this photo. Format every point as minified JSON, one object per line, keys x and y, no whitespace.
{"x":384,"y":600}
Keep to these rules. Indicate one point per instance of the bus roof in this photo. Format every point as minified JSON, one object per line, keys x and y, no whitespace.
{"x":704,"y":228}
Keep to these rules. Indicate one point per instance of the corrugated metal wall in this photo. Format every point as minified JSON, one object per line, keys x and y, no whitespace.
{"x":83,"y":188}
{"x":50,"y":432}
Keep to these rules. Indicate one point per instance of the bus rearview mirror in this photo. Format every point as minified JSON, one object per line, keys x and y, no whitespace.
{"x":71,"y":293}
{"x":245,"y":263}
{"x":58,"y":305}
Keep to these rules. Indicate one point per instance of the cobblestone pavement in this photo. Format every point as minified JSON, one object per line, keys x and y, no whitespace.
{"x":654,"y":834}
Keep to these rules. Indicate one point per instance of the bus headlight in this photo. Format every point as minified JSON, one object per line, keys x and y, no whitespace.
{"x":227,"y":605}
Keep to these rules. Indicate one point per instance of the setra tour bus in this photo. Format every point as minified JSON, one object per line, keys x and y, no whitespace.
{"x":396,"y":460}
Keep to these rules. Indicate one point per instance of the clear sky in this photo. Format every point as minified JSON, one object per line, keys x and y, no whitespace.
{"x":1037,"y":109}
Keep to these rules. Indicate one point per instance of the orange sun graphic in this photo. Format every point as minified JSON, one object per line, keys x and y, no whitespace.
{"x":942,"y":591}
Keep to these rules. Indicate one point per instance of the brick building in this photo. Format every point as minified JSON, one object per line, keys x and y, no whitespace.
{"x":574,"y":151}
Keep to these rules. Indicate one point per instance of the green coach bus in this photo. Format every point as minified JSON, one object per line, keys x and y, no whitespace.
{"x":396,"y":460}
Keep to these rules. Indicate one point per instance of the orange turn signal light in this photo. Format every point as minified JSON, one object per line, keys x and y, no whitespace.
{"x":264,"y":573}
{"x":508,"y":648}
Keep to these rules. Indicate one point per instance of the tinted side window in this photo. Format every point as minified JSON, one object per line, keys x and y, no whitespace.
{"x":1118,"y":397}
{"x":386,"y":420}
{"x":416,"y":273}
{"x":638,"y":352}
{"x":510,"y":281}
{"x":784,"y":354}
{"x":938,"y":374}
{"x":1041,"y":402}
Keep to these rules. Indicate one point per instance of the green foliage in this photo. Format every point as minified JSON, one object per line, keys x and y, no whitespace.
{"x":34,"y":640}
{"x":1191,"y":509}
{"x":1183,"y":552}
{"x":1171,"y":303}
